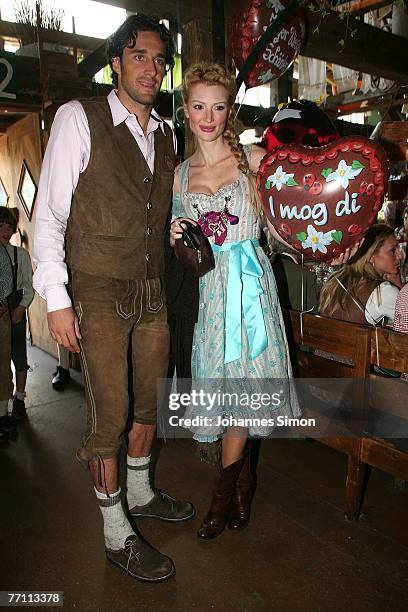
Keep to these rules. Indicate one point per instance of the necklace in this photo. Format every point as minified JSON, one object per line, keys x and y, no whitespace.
{"x":215,"y":223}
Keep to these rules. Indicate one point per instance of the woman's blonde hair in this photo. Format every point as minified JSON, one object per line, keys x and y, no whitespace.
{"x":355,"y":273}
{"x":218,"y":74}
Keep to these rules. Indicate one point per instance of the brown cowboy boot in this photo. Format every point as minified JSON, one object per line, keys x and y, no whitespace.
{"x":241,"y":501}
{"x":217,"y":516}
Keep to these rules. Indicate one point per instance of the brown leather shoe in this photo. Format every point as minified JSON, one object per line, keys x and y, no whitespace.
{"x":241,"y":501}
{"x":217,"y":516}
{"x":142,"y":561}
{"x":164,"y":507}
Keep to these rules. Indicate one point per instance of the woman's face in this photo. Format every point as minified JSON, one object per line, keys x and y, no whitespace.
{"x":207,"y":110}
{"x":388,"y":257}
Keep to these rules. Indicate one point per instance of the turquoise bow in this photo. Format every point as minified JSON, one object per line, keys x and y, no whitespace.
{"x":243,"y":298}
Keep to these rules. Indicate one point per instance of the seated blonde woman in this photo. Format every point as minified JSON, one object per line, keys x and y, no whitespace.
{"x":366,"y":288}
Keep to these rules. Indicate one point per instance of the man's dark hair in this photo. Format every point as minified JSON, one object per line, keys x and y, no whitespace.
{"x":126,"y":34}
{"x":7,"y":216}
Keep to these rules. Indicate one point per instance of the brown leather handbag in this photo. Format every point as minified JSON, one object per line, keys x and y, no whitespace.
{"x":194,"y":250}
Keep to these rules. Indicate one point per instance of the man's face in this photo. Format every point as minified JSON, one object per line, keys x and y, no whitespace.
{"x":6,"y":232}
{"x":142,"y":68}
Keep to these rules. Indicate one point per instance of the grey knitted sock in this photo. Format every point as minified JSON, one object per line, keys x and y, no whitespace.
{"x":116,"y":527}
{"x":139,"y":491}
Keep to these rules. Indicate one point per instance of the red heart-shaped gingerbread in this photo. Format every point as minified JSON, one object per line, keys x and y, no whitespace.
{"x":322,"y":200}
{"x":251,"y":19}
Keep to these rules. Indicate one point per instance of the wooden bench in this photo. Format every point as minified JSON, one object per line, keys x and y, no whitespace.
{"x":389,"y":349}
{"x":355,"y":348}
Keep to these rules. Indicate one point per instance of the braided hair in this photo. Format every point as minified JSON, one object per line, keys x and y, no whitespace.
{"x":218,"y":74}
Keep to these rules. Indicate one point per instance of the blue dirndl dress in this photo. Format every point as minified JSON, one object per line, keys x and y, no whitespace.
{"x":239,"y":339}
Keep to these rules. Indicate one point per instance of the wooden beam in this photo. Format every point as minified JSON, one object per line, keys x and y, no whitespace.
{"x":197,"y":42}
{"x":88,"y":43}
{"x":93,"y":62}
{"x":361,"y":103}
{"x":359,"y":7}
{"x":162,"y":8}
{"x":218,"y":30}
{"x":379,"y":103}
{"x":17,"y":108}
{"x":370,"y":50}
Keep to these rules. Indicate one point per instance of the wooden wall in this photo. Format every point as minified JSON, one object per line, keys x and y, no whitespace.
{"x":22,"y":141}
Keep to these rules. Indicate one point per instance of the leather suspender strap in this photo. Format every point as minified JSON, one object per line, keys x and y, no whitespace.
{"x":15,"y":268}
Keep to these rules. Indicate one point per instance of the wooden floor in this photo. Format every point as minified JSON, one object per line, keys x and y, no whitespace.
{"x":297,"y":555}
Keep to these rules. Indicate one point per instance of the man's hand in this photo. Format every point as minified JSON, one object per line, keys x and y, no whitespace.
{"x":64,"y":328}
{"x":17,"y":314}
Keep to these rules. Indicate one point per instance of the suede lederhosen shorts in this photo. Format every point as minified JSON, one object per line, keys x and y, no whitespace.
{"x":110,"y":313}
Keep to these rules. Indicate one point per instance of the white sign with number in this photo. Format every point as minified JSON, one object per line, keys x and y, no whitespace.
{"x":6,"y":80}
